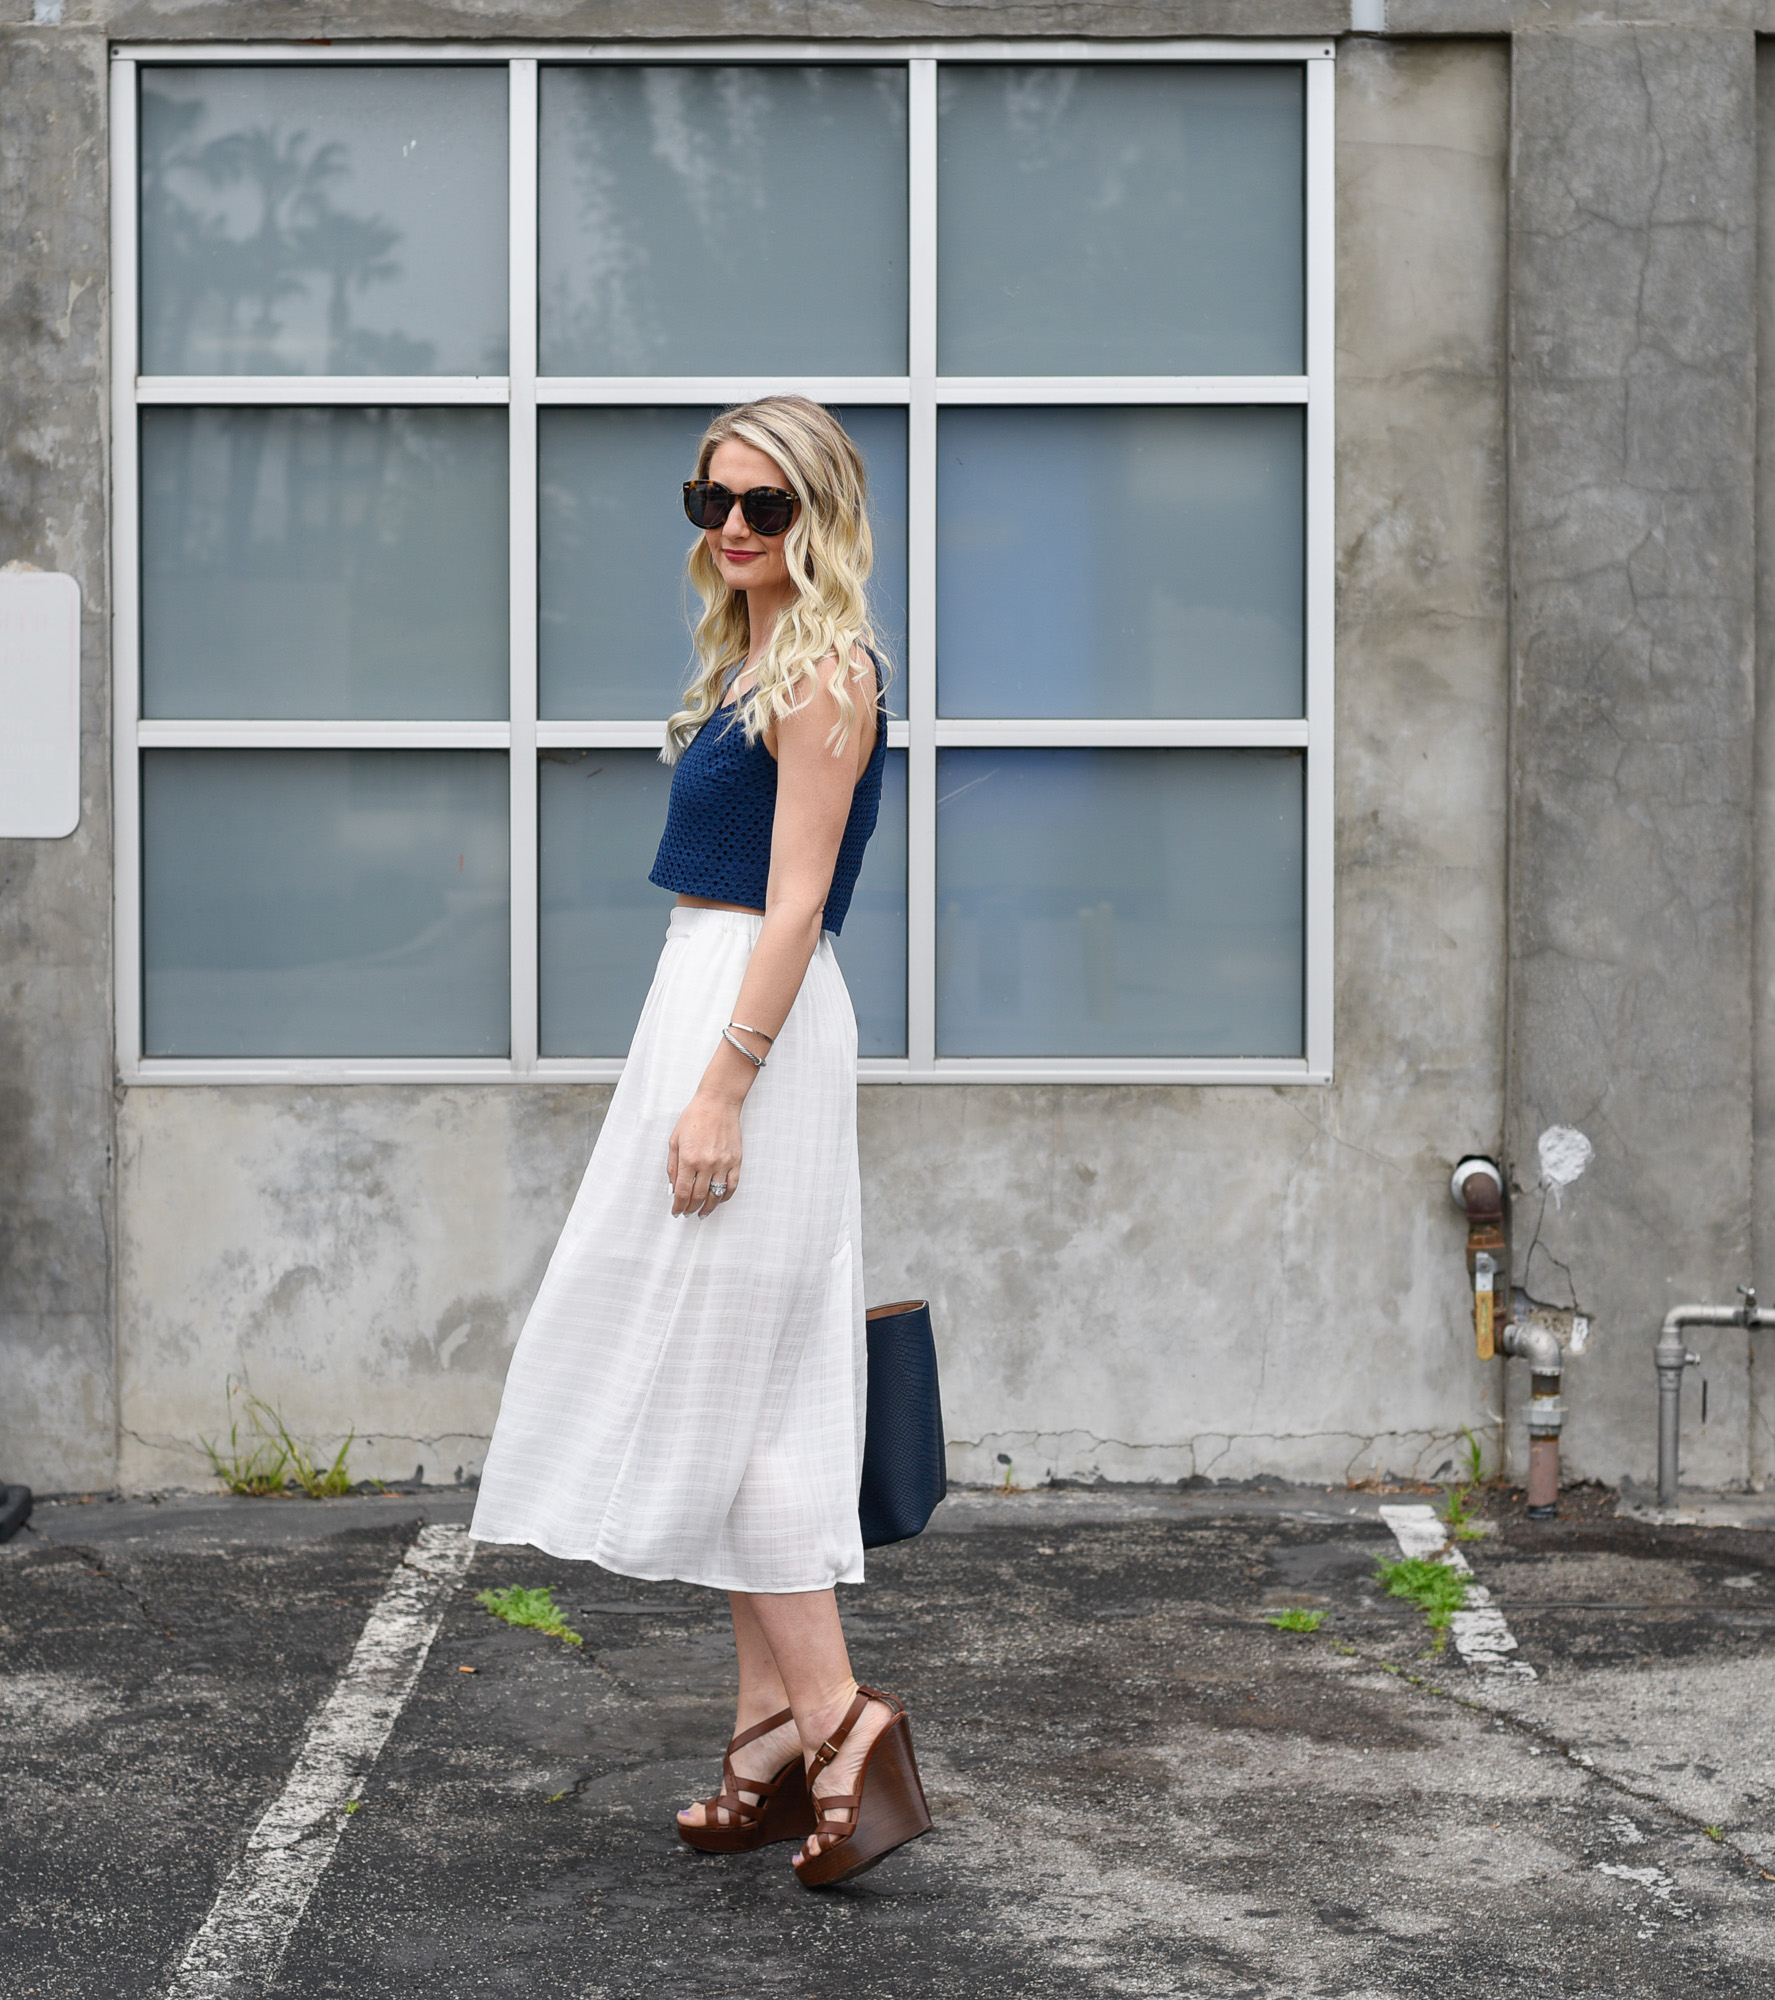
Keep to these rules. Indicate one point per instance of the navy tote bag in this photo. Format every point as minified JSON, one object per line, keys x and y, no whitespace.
{"x":904,"y":1475}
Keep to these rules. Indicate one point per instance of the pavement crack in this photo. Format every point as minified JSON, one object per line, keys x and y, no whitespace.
{"x":1548,"y":1739}
{"x":94,"y":1564}
{"x":573,"y":1790}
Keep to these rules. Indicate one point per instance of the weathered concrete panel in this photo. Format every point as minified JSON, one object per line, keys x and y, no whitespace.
{"x":362,"y":1258}
{"x":1761,"y":1366}
{"x":668,"y":20}
{"x":57,"y":1421}
{"x":1533,"y":17}
{"x":1632,"y":433}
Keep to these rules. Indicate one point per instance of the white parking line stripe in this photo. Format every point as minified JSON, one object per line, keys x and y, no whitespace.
{"x":1482,"y":1637}
{"x":237,"y":1952}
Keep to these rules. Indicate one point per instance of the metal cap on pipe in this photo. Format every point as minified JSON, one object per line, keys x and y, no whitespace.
{"x":1477,"y":1185}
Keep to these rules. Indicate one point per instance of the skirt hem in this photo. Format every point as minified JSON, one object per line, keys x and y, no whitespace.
{"x":664,"y":1575}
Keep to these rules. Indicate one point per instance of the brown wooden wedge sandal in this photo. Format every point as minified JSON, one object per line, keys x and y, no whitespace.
{"x":777,"y":1808}
{"x":858,"y":1829}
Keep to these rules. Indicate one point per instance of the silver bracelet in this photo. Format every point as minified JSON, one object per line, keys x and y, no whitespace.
{"x":728,"y":1035}
{"x":744,"y":1030}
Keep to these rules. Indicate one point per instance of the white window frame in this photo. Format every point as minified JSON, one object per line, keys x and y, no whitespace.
{"x":922,"y":391}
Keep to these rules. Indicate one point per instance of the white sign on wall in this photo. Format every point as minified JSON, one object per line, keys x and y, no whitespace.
{"x":39,"y":705}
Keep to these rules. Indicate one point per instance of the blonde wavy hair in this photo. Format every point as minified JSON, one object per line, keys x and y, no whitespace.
{"x":830,"y":553}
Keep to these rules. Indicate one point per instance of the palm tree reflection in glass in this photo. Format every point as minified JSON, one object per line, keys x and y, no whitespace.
{"x":272,"y":246}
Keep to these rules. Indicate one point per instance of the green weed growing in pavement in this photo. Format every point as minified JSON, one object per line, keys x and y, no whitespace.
{"x":1436,"y":1589}
{"x":1714,"y":1832}
{"x":1458,"y":1508}
{"x":1297,"y":1620}
{"x":256,"y":1468}
{"x":533,"y":1608}
{"x":1475,"y":1458}
{"x":269,"y":1460}
{"x":319,"y":1483}
{"x":1458,"y":1514}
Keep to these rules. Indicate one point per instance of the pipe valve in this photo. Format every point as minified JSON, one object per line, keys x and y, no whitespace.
{"x":1485,"y":1295}
{"x":1478,"y":1187}
{"x":1538,"y":1345}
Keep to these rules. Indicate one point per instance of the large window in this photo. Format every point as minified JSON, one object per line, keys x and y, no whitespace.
{"x":412,"y":354}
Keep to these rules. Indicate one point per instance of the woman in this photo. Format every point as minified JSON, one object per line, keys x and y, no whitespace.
{"x":686,"y":1399}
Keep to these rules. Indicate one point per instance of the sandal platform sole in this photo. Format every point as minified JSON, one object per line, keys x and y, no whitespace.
{"x":893,"y":1811}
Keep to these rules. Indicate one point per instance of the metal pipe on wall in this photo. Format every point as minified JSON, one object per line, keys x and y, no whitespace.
{"x":1477,"y":1185}
{"x":1671,"y":1356}
{"x":1539,"y":1347}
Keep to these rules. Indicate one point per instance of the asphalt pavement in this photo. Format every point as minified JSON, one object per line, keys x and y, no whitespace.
{"x":1140,"y":1786}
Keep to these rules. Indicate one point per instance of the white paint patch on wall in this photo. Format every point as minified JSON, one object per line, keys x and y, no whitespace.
{"x":1564,"y":1153}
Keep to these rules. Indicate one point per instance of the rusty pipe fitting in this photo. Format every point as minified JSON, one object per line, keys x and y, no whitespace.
{"x":1478,"y":1187}
{"x":1539,"y":1347}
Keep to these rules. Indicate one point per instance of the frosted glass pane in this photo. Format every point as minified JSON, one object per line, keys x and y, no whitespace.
{"x":1119,"y":903}
{"x":615,"y":605}
{"x":324,"y":562}
{"x":326,"y":903}
{"x":1121,"y":562}
{"x":701,"y":220}
{"x":1121,"y":219}
{"x":346,"y":220}
{"x":880,"y":435}
{"x":602,"y":921}
{"x":872,"y":947}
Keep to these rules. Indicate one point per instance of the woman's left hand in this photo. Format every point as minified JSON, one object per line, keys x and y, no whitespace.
{"x":704,"y":1153}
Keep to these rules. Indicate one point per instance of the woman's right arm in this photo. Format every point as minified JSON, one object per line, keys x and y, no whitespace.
{"x":814,"y":790}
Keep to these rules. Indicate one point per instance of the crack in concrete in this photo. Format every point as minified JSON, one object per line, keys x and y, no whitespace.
{"x":1378,"y":1455}
{"x":1528,"y":1259}
{"x":1365,"y":1440}
{"x":1550,"y":1740}
{"x":1325,"y":1131}
{"x":94,"y":1565}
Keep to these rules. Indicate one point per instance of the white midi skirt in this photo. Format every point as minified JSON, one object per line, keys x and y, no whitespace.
{"x":686,"y":1397}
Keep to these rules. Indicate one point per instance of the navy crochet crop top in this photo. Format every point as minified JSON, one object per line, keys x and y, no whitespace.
{"x":724,"y":799}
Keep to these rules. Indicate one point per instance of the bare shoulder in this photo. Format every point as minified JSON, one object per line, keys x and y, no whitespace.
{"x":862,"y":668}
{"x":859,"y":683}
{"x":818,"y":719}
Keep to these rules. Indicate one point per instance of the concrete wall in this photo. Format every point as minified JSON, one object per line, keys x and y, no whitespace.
{"x":1760,"y":1441}
{"x":1632,"y":459}
{"x":1551,"y":802}
{"x":57,"y":1414}
{"x":360,"y":1257}
{"x":1132,"y":1283}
